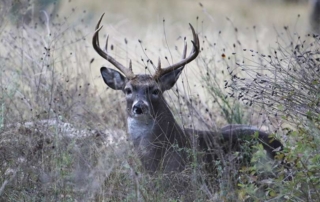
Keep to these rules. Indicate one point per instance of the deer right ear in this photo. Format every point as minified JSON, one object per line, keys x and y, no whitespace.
{"x":168,"y":80}
{"x":113,"y":78}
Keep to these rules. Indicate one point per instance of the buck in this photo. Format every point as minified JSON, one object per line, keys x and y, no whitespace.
{"x":161,"y":144}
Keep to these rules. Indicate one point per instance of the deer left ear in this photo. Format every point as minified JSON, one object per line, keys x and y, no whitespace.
{"x":168,"y":80}
{"x":113,"y":78}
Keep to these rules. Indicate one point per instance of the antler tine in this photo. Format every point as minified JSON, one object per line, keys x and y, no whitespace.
{"x":130,"y":65}
{"x":193,"y":54}
{"x":106,"y":44}
{"x":96,"y":45}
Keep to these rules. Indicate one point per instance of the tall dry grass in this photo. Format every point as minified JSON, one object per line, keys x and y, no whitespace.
{"x":63,"y":133}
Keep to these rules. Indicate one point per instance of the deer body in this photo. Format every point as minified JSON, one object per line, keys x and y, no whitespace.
{"x":159,"y":141}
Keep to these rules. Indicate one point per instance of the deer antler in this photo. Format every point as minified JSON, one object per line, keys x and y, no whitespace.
{"x":193,"y":54}
{"x":96,"y":45}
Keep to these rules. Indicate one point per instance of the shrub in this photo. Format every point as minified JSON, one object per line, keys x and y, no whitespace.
{"x":285,"y":84}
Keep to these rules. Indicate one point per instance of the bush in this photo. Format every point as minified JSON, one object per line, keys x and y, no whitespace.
{"x":285,"y":84}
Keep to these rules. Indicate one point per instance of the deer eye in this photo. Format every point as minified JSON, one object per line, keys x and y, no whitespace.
{"x":127,"y":91}
{"x":155,"y":92}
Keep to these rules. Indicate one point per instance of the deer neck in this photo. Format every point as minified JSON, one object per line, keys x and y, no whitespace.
{"x":153,"y":139}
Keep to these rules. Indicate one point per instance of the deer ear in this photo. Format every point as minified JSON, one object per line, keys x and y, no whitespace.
{"x":113,"y":78}
{"x":168,"y":80}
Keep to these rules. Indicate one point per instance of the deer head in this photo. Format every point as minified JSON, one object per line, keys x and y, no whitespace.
{"x":143,"y":92}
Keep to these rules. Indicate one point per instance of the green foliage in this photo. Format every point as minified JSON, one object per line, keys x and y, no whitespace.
{"x":288,"y":92}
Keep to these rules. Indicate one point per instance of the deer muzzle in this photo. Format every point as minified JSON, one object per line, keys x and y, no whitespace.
{"x":139,"y":108}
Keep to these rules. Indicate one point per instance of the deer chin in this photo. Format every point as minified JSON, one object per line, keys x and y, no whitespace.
{"x":140,"y":126}
{"x":143,"y":116}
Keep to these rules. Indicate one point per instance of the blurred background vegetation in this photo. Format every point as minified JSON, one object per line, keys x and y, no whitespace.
{"x":62,"y":132}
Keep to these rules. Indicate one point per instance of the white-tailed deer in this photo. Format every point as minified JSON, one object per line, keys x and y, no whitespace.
{"x":160,"y":142}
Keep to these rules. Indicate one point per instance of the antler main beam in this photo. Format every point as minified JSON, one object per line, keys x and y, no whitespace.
{"x":96,"y":45}
{"x":160,"y":71}
{"x":193,"y":54}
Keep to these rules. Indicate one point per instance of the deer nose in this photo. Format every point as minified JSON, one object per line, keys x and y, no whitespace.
{"x":139,"y":108}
